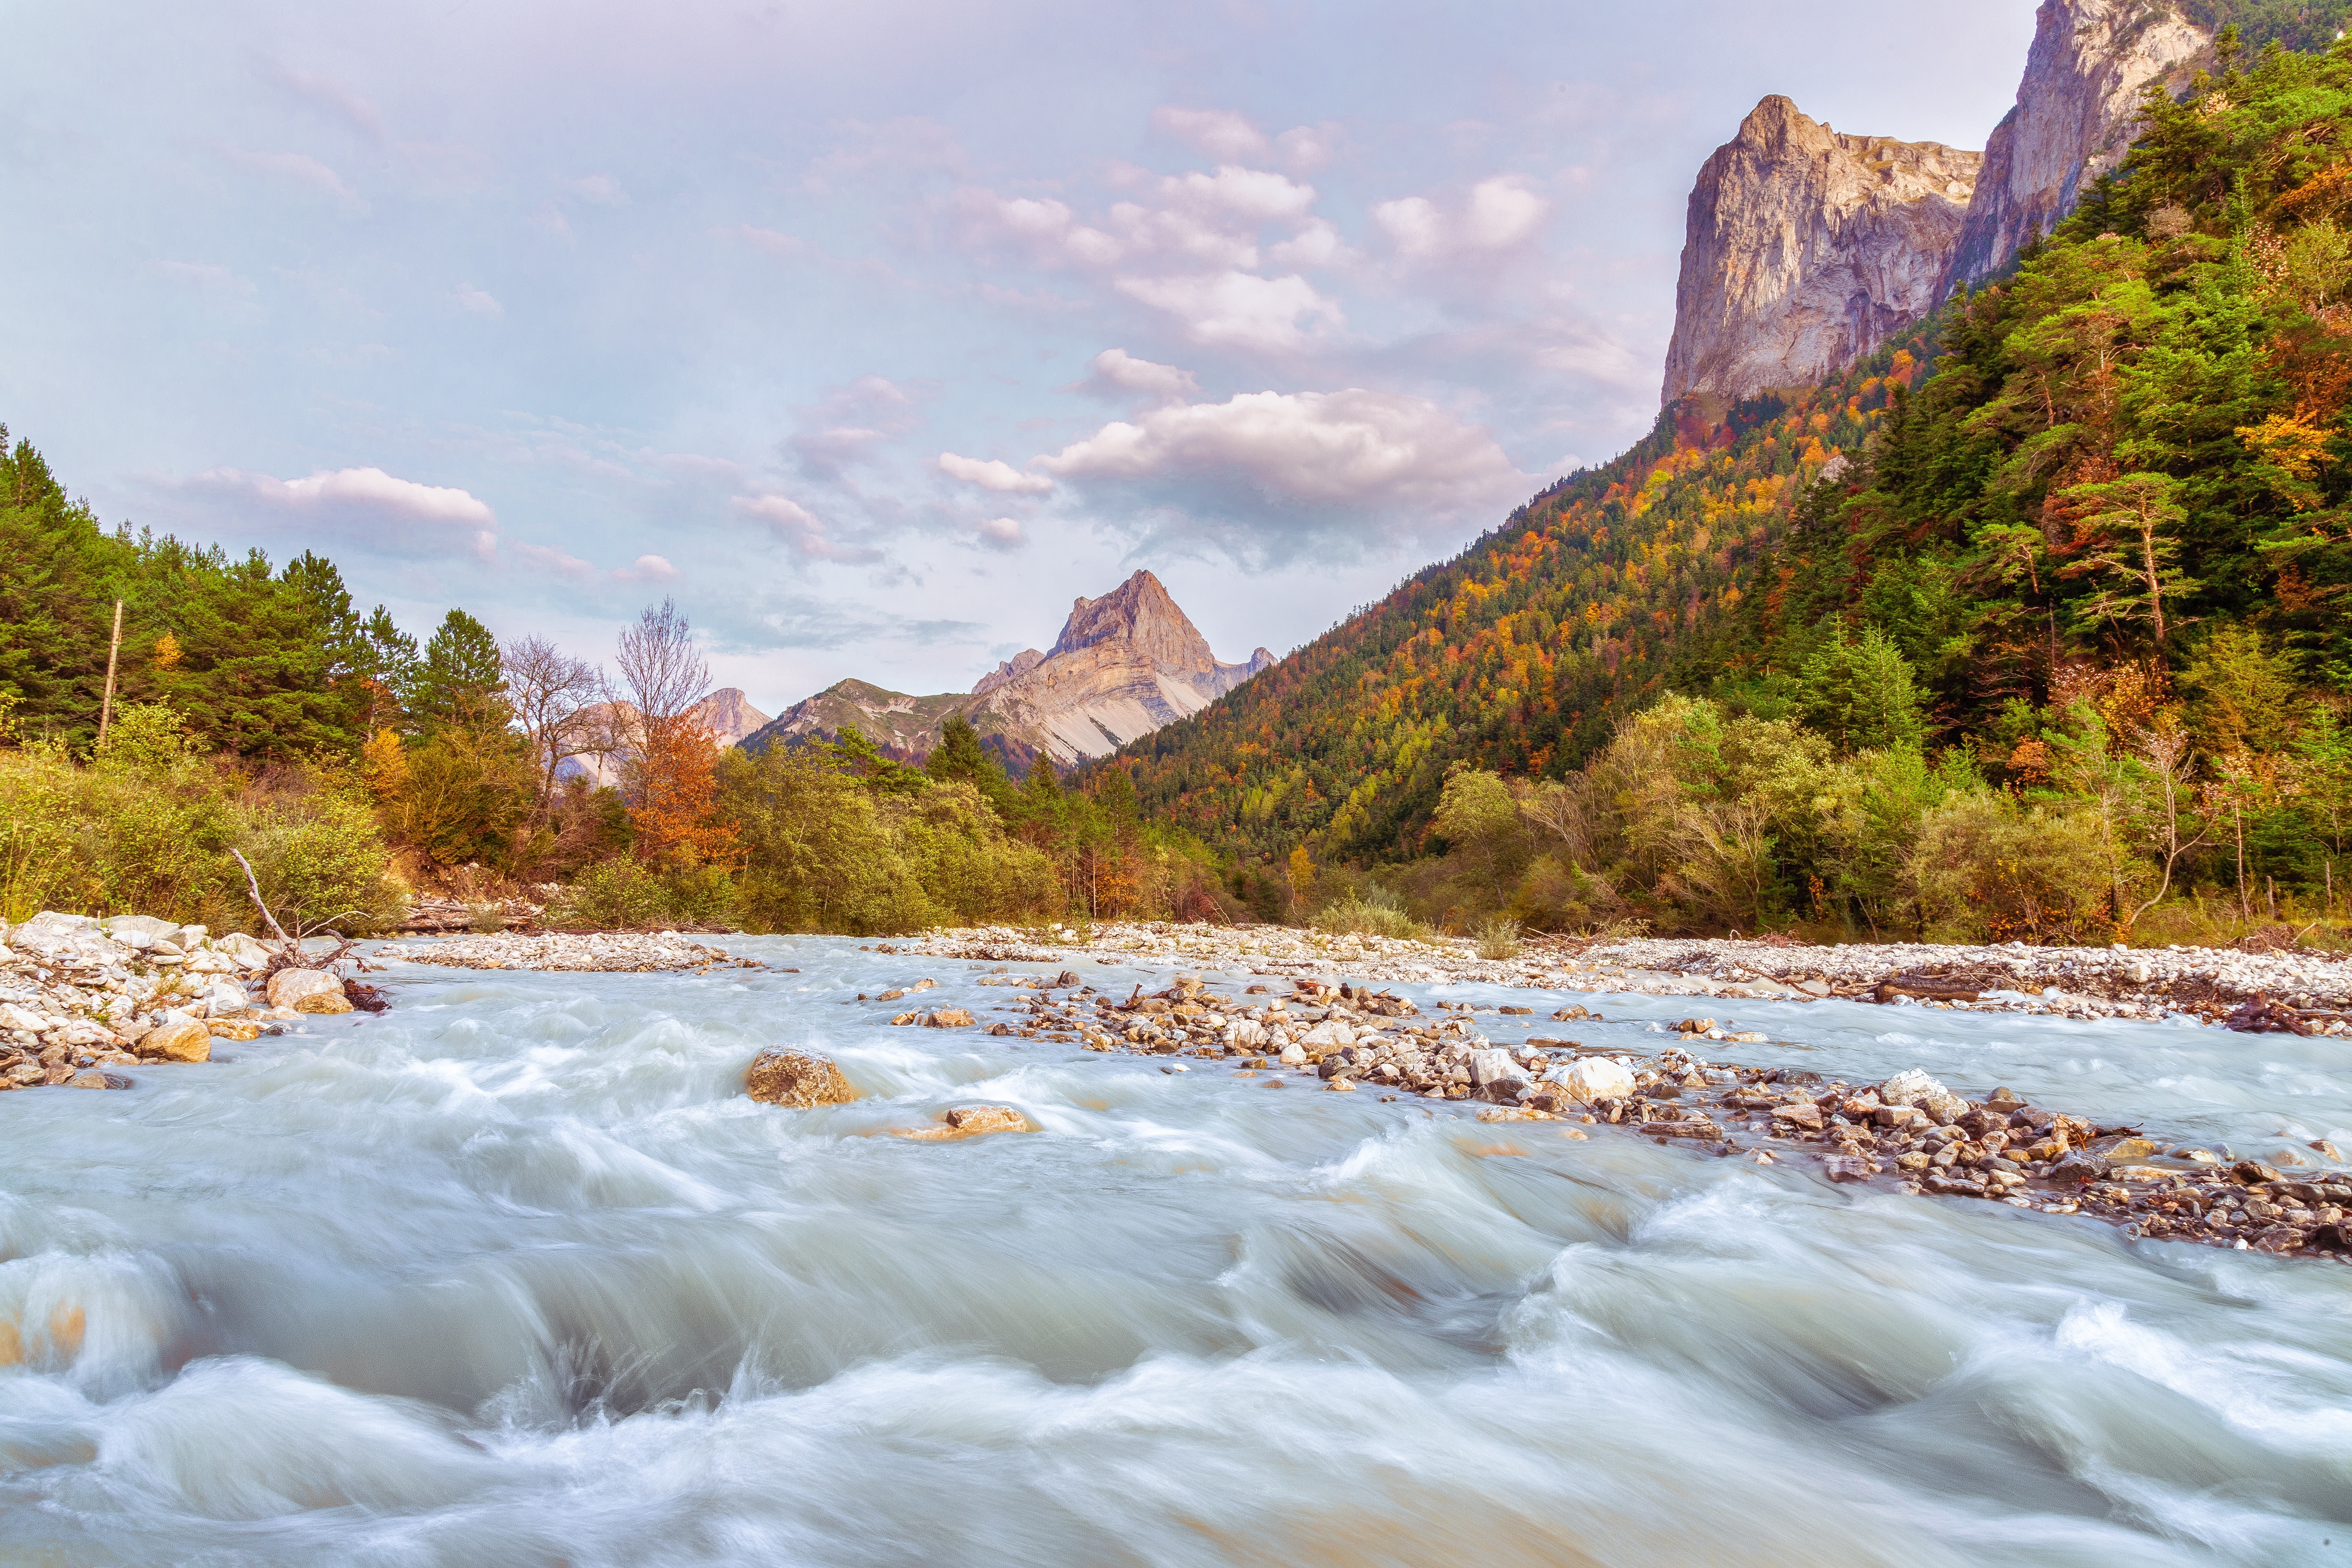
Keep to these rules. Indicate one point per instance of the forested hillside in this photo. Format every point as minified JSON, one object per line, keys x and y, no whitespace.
{"x":2082,"y":554}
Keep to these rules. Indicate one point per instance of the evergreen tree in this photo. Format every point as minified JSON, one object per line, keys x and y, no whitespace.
{"x":459,"y":684}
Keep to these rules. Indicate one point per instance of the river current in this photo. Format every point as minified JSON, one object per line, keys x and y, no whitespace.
{"x":514,"y":1274}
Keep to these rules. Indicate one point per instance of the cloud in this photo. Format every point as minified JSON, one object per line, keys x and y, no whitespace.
{"x":207,"y":276}
{"x":602,"y":189}
{"x":784,"y":247}
{"x":541,"y":558}
{"x":300,"y":168}
{"x":994,"y":475}
{"x":1002,"y":533}
{"x":480,"y":302}
{"x":1119,"y":376}
{"x":372,"y":508}
{"x":1238,"y":309}
{"x":647,"y":569}
{"x":797,"y":527}
{"x":848,"y":425}
{"x":1266,"y":472}
{"x":1500,"y":214}
{"x":1219,"y":132}
{"x":329,"y":97}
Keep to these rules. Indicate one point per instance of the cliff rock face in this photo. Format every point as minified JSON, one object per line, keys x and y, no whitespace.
{"x":2076,"y":111}
{"x":1806,"y":248}
{"x":1124,"y":665}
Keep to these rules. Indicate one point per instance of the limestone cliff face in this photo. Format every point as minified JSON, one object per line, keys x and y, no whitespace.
{"x":1124,"y":665}
{"x":2077,"y":107}
{"x":1806,"y":248}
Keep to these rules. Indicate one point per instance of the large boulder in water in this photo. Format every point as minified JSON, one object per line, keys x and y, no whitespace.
{"x":288,"y":987}
{"x":797,"y":1080}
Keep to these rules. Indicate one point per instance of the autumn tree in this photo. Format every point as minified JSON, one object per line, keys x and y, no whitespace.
{"x":672,"y":785}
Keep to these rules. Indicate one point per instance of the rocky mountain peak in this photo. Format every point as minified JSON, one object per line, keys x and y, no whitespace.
{"x":2077,"y":107}
{"x":1805,"y":248}
{"x":1140,"y":613}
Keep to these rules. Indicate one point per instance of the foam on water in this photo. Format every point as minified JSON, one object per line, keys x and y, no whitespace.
{"x":514,"y":1274}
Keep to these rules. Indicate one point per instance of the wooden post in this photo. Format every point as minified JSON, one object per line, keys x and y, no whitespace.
{"x":113,"y":651}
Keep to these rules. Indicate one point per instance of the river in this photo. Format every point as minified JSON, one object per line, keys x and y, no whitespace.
{"x":515,"y":1274}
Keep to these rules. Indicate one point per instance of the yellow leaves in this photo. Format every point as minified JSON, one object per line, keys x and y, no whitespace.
{"x":167,"y":652}
{"x":2295,"y":448}
{"x":382,"y":765}
{"x":2288,"y":442}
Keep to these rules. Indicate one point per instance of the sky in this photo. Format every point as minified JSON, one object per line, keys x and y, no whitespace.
{"x":875,"y":333}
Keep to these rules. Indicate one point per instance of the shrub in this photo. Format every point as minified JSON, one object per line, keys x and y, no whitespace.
{"x":1370,"y":913}
{"x":1498,"y":938}
{"x":1989,"y":868}
{"x":618,"y":895}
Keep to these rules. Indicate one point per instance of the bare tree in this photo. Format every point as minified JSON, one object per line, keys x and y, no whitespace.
{"x":665,"y":671}
{"x":561,"y":704}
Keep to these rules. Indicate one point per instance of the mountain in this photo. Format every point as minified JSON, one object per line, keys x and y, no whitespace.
{"x":727,"y":712}
{"x":1805,"y":248}
{"x":2118,"y":482}
{"x":1126,"y":664}
{"x":2077,"y":107}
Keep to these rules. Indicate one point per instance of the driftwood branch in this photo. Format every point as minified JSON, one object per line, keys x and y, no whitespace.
{"x":253,"y":885}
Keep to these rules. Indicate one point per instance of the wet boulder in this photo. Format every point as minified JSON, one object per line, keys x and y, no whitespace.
{"x":181,"y":1040}
{"x":796,"y":1080}
{"x":1594,"y":1078}
{"x":288,"y":987}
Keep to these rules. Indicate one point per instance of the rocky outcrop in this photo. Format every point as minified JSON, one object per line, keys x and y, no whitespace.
{"x":1806,"y":248}
{"x":2077,"y":107}
{"x":1125,"y":664}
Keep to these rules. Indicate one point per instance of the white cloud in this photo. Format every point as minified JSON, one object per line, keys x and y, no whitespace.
{"x":1219,"y":132}
{"x":1500,"y":214}
{"x":647,"y":569}
{"x":994,"y":474}
{"x":1307,"y":147}
{"x":329,"y":97}
{"x":1254,"y":195}
{"x":850,"y":423}
{"x":479,"y":301}
{"x":1119,"y":375}
{"x":602,"y":189}
{"x":555,"y":563}
{"x":210,"y":277}
{"x":1238,"y":309}
{"x":1002,"y":533}
{"x":374,"y":509}
{"x":797,"y":527}
{"x":1266,"y":471}
{"x":300,"y":169}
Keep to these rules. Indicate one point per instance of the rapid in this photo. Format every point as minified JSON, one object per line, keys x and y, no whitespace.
{"x":516,"y":1274}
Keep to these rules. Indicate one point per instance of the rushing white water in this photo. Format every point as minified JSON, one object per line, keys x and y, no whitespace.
{"x":514,"y":1274}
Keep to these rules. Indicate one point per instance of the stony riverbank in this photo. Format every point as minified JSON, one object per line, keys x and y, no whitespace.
{"x":82,"y":999}
{"x":611,"y":952}
{"x":1908,"y":1133}
{"x":2308,"y":992}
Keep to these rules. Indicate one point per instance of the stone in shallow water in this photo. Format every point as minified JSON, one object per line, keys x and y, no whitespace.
{"x":796,"y":1080}
{"x":187,"y":1041}
{"x":289,"y":986}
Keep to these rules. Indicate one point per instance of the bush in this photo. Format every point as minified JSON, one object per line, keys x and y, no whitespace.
{"x":1498,"y":938}
{"x":1989,"y":869}
{"x":618,"y":895}
{"x":1370,"y":913}
{"x":149,"y":826}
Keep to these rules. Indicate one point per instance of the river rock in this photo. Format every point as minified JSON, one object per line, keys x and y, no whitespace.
{"x":1329,"y":1034}
{"x":323,"y":1001}
{"x":1490,"y":1067}
{"x":243,"y":950}
{"x":181,"y":1040}
{"x":1596,"y":1077}
{"x":289,"y":986}
{"x":797,"y":1080}
{"x":1915,"y":1088}
{"x":948,"y":1018}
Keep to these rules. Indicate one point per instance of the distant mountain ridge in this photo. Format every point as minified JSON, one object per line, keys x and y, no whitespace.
{"x":1125,"y":664}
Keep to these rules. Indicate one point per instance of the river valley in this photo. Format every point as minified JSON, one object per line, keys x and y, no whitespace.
{"x":515,"y":1273}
